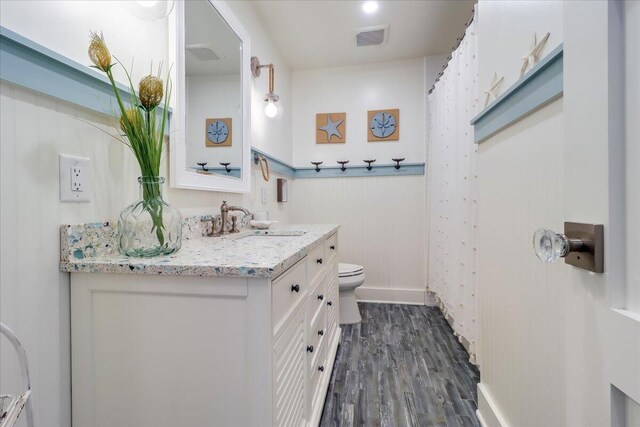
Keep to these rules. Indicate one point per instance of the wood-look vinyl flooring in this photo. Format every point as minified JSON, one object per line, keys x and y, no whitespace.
{"x":402,"y":366}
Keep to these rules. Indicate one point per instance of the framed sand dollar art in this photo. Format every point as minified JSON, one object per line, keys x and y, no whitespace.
{"x":383,"y":125}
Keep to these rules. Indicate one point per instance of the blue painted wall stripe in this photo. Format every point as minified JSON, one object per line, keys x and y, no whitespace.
{"x":276,"y":165}
{"x":28,"y":64}
{"x":31,"y":65}
{"x":361,"y":171}
{"x":234,"y":172}
{"x":538,"y":87}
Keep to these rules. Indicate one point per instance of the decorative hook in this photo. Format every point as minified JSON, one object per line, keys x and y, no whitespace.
{"x":369,"y":163}
{"x":397,"y":166}
{"x":343,"y":162}
{"x":202,"y":165}
{"x":226,"y":166}
{"x":317,"y":165}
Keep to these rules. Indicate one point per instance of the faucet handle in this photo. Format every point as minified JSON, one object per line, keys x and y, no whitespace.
{"x":234,"y":224}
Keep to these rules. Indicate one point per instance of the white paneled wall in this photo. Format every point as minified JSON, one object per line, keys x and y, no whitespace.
{"x":354,"y":90}
{"x":382,"y":228}
{"x":520,"y":304}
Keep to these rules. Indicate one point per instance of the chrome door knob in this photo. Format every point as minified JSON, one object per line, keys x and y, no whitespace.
{"x":581,"y":245}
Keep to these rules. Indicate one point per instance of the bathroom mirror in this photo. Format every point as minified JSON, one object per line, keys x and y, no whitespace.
{"x":210,"y":128}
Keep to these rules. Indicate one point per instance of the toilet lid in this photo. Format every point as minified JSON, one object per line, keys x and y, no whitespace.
{"x":345,"y":270}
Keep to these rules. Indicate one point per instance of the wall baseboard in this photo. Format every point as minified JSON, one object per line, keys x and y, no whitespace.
{"x":430,"y":299}
{"x":488,"y":413}
{"x":391,"y":296}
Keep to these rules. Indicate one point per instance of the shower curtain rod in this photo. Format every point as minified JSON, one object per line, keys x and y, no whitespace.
{"x":458,"y":41}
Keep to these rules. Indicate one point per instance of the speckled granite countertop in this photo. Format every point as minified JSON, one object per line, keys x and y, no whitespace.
{"x":91,"y":248}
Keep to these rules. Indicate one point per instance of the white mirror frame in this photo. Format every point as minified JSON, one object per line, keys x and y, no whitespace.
{"x":180,"y":176}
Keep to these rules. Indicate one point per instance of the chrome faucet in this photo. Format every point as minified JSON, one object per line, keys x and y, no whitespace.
{"x":224,"y":213}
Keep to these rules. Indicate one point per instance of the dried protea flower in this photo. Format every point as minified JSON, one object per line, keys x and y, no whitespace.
{"x":133,"y":117}
{"x":99,"y":53}
{"x":150,"y":92}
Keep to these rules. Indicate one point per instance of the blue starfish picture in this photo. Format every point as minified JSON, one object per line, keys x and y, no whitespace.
{"x":331,"y":127}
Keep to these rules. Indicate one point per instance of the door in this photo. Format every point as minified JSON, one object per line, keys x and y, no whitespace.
{"x":602,"y":184}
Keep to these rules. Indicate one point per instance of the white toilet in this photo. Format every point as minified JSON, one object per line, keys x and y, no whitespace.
{"x":350,"y":276}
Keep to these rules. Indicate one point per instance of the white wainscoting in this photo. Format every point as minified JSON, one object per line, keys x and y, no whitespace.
{"x":383,"y":229}
{"x":519,"y":303}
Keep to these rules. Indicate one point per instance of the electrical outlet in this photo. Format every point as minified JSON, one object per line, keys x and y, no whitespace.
{"x":263,"y":193}
{"x":77,"y":178}
{"x":74,"y":179}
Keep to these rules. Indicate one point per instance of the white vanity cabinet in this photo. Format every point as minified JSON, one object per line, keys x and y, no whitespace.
{"x":166,"y":350}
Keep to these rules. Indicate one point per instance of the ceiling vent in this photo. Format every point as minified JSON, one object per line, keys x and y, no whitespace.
{"x":203,"y":52}
{"x":372,"y":36}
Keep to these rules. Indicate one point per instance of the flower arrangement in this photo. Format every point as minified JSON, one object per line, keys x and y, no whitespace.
{"x":143,"y":131}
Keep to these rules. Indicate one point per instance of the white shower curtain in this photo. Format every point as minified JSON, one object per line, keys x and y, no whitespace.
{"x":453,"y":190}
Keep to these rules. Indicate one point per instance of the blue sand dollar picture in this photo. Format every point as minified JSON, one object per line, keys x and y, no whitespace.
{"x":331,"y":128}
{"x":218,"y":132}
{"x":383,"y":125}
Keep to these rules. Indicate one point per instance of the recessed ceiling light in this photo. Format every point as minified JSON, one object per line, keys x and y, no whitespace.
{"x":370,"y":6}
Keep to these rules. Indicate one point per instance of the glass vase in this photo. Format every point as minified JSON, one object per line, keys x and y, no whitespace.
{"x":149,"y":227}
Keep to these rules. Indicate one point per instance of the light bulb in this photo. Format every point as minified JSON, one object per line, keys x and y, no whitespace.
{"x":370,"y":6}
{"x":270,"y":110}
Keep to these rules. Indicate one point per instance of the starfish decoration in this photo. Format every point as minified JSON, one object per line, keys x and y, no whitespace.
{"x":331,"y":128}
{"x":533,"y":55}
{"x":492,"y":92}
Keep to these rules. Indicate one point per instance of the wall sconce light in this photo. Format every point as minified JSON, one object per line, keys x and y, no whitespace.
{"x":151,"y":10}
{"x":273,"y":106}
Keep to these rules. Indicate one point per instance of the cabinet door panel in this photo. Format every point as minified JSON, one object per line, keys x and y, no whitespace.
{"x":289,"y":358}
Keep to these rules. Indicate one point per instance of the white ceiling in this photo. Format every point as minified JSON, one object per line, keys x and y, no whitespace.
{"x":320,"y":33}
{"x":204,"y":26}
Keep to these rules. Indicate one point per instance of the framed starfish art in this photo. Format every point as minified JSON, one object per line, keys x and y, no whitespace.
{"x":331,"y":128}
{"x":383,"y":125}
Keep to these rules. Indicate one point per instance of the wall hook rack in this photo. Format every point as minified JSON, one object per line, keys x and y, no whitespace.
{"x":397,"y":166}
{"x":202,"y":165}
{"x":226,"y":166}
{"x":317,"y":164}
{"x":369,"y":167}
{"x":342,"y":163}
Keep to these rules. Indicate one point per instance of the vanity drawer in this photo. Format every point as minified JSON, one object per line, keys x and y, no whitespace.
{"x":332,"y":301}
{"x":288,"y":290}
{"x":317,"y":298}
{"x":331,"y":247}
{"x":315,"y":339}
{"x":318,"y":372}
{"x":316,"y":262}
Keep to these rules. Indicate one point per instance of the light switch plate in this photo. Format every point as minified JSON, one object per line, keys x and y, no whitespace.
{"x":263,"y":194}
{"x":75,"y":179}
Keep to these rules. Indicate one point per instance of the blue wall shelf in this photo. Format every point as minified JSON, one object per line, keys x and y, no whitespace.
{"x":538,"y":87}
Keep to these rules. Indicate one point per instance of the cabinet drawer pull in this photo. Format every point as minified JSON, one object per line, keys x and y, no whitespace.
{"x":329,"y":303}
{"x":321,"y":332}
{"x":321,"y":368}
{"x":310,"y":349}
{"x":295,"y":288}
{"x":332,"y":247}
{"x":321,"y":297}
{"x":319,"y":260}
